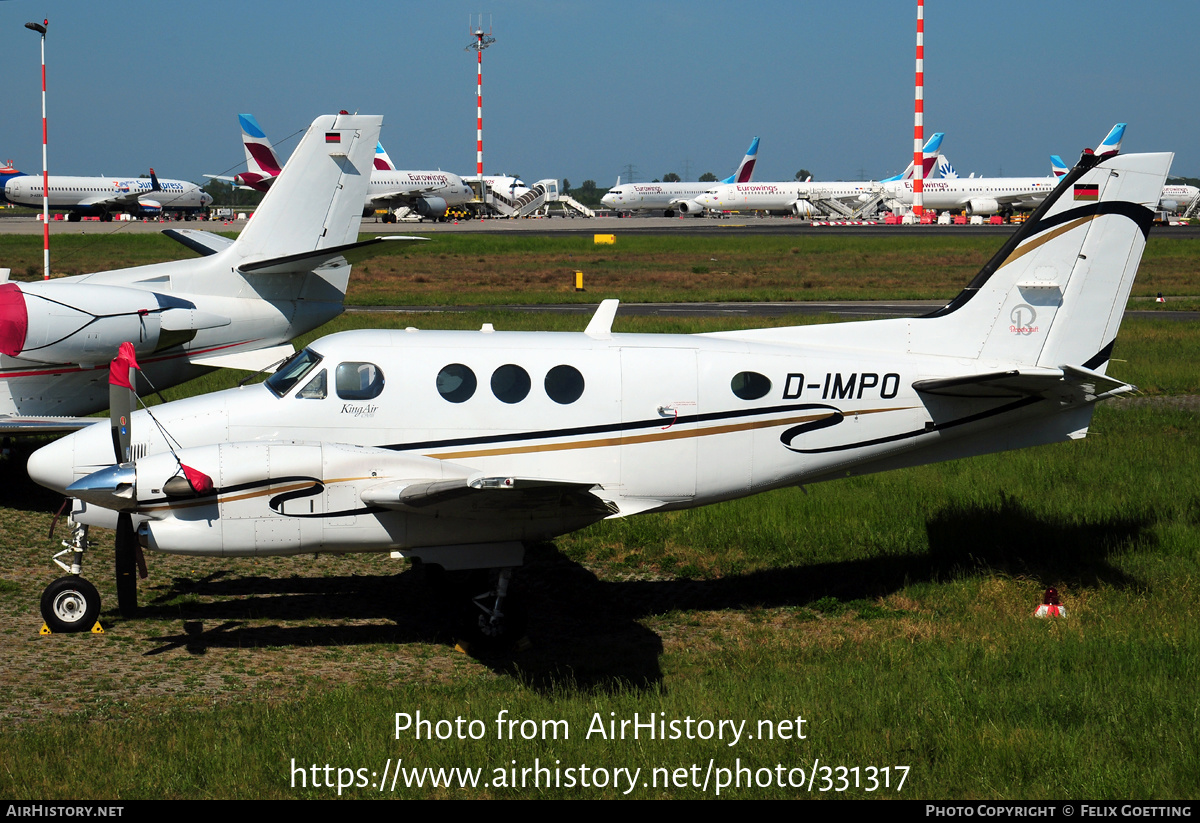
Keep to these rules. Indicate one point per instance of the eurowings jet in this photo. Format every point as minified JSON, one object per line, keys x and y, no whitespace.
{"x":798,"y":196}
{"x":456,"y":447}
{"x":103,"y":196}
{"x":991,"y":195}
{"x":237,"y":305}
{"x":674,"y":197}
{"x":424,"y":193}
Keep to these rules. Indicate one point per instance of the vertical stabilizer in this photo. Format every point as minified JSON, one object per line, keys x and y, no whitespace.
{"x":745,"y":171}
{"x":382,"y":161}
{"x":262,"y":164}
{"x":317,"y":200}
{"x":1055,"y":293}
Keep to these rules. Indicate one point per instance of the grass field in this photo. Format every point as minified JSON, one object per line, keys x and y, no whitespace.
{"x":891,"y":613}
{"x":516,"y":268}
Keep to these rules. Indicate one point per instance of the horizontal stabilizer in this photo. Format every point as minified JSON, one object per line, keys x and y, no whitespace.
{"x":201,"y":242}
{"x":504,"y":497}
{"x":257,"y":360}
{"x":309,"y":260}
{"x":1068,"y":383}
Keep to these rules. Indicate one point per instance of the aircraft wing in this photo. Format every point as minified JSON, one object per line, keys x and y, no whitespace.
{"x":202,"y":242}
{"x":13,"y":425}
{"x":1066,"y":383}
{"x":309,"y":260}
{"x":493,"y":497}
{"x":400,"y":196}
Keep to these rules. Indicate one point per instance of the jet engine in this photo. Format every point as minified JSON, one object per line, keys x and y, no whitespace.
{"x":983,"y":205}
{"x":803,"y":208}
{"x":689,"y":207}
{"x":431,"y":206}
{"x":80,"y":323}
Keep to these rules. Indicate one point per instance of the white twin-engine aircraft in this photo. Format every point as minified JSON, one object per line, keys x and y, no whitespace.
{"x":237,"y":305}
{"x":456,"y":447}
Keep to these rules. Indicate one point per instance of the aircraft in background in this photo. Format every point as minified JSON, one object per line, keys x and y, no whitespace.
{"x":237,"y":305}
{"x":456,"y":447}
{"x":991,"y":195}
{"x":103,"y":196}
{"x":674,"y":197}
{"x":798,"y":196}
{"x":424,"y":193}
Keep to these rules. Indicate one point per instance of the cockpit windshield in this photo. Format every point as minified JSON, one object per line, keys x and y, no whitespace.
{"x":294,"y":368}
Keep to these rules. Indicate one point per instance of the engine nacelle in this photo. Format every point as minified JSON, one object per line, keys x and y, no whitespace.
{"x":431,"y":206}
{"x":293,"y":497}
{"x":150,"y":208}
{"x":85,"y":324}
{"x":983,"y":205}
{"x":803,"y":208}
{"x":1168,"y":205}
{"x":689,"y":207}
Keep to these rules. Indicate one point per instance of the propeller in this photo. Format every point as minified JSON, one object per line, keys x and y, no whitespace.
{"x":121,"y":401}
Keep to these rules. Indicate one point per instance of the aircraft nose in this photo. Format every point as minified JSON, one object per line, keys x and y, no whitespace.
{"x":53,"y":466}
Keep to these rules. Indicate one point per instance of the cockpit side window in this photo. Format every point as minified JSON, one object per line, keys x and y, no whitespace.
{"x":291,"y":372}
{"x":358,"y":381}
{"x":314,"y":389}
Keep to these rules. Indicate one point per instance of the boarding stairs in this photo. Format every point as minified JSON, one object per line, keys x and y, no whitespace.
{"x":824,"y":201}
{"x":1193,"y":208}
{"x":571,"y":204}
{"x":872,"y":205}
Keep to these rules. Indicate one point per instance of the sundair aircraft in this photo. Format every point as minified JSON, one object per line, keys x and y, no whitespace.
{"x":103,"y":196}
{"x":456,"y":447}
{"x":424,"y":193}
{"x":674,"y":197}
{"x":237,"y":305}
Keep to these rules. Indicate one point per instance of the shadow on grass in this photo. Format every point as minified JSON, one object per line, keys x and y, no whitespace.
{"x":588,"y":632}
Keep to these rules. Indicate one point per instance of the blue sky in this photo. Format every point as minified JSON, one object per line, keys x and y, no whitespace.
{"x":582,"y":89}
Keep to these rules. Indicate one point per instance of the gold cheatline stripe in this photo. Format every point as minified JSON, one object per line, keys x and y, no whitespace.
{"x":306,"y":484}
{"x":1046,"y":238}
{"x":649,"y":438}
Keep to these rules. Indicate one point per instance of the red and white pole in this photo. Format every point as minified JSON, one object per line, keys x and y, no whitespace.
{"x":41,"y":29}
{"x":919,"y":117}
{"x":479,"y":108}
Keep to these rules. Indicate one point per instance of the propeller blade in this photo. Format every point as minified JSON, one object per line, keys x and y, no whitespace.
{"x":122,"y":400}
{"x":126,"y":564}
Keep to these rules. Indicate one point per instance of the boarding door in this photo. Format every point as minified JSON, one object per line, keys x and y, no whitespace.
{"x":658,"y":409}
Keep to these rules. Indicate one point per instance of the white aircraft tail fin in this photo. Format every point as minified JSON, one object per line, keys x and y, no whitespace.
{"x":1055,"y":293}
{"x":945,"y":169}
{"x":317,"y":200}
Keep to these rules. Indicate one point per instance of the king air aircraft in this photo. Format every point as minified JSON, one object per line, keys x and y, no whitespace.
{"x":237,"y":305}
{"x":424,"y":193}
{"x":674,"y":197}
{"x":456,"y":447}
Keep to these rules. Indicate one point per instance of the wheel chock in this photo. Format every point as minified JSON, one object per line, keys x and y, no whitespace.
{"x":45,"y":630}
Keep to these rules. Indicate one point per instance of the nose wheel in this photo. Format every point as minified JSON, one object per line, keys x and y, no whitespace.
{"x":70,"y":604}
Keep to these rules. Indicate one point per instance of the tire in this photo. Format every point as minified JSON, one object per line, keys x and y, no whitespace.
{"x":126,"y":566}
{"x":70,"y":604}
